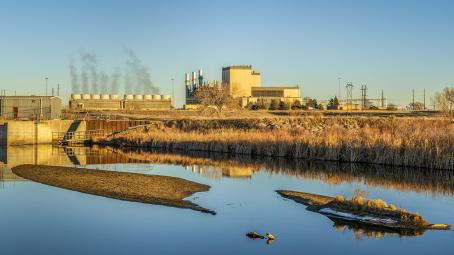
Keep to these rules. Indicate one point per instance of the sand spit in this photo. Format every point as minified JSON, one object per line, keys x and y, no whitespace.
{"x":144,"y":188}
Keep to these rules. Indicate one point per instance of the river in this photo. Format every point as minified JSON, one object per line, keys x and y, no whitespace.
{"x":40,"y":219}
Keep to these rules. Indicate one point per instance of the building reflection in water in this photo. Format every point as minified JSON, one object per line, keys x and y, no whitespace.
{"x":216,"y":166}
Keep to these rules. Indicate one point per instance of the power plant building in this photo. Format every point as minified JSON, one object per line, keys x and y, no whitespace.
{"x":114,"y":102}
{"x":243,"y":83}
{"x":240,"y":80}
{"x":30,"y":107}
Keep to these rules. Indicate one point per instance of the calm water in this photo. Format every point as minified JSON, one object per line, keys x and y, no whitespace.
{"x":39,"y":219}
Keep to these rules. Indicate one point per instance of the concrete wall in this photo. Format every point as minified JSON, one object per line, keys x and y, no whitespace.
{"x":31,"y":132}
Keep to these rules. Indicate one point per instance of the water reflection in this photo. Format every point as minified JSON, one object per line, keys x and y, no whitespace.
{"x":217,"y":166}
{"x":247,"y":204}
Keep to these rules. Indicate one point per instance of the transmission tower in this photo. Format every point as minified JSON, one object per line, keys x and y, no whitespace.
{"x":363,"y":96}
{"x":349,"y":88}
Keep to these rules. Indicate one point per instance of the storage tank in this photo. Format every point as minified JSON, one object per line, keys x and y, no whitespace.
{"x":105,"y":96}
{"x":129,"y":97}
{"x":86,"y":96}
{"x":138,"y":97}
{"x":166,"y":97}
{"x":76,"y":96}
{"x":114,"y":96}
{"x":96,"y":96}
{"x":148,"y":97}
{"x":157,"y":97}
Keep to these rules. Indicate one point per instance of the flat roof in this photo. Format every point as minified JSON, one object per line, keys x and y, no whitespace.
{"x":26,"y":97}
{"x":275,"y":88}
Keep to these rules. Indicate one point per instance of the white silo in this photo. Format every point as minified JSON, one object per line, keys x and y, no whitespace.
{"x":86,"y":96}
{"x":114,"y":96}
{"x":166,"y":97}
{"x":138,"y":97}
{"x":95,"y":96}
{"x":105,"y":96}
{"x":129,"y":97}
{"x":76,"y":96}
{"x":156,"y":97}
{"x":147,"y":97}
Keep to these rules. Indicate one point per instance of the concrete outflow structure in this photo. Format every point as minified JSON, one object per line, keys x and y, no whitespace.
{"x":114,"y":102}
{"x":30,"y":107}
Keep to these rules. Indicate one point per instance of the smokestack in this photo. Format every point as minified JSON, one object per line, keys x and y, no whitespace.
{"x":194,"y":78}
{"x":186,"y":79}
{"x":200,"y":77}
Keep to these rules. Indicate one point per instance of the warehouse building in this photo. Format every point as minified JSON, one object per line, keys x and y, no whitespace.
{"x":113,"y":102}
{"x":30,"y":107}
{"x":266,"y":95}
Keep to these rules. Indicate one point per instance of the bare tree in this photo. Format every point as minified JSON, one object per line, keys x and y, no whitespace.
{"x":445,"y":100}
{"x":216,"y":97}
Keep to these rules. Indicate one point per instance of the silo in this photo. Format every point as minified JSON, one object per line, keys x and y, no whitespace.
{"x":95,"y":96}
{"x":156,"y":97}
{"x":166,"y":97}
{"x":114,"y":96}
{"x":86,"y":96}
{"x":76,"y":96}
{"x":105,"y":96}
{"x":129,"y":97}
{"x":148,"y":97}
{"x":138,"y":97}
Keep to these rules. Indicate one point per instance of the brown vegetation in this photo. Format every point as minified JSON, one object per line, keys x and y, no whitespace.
{"x":361,"y":209}
{"x":411,"y":142}
{"x":152,"y":189}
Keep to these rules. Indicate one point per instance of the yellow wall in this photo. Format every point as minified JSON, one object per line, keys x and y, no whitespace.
{"x":240,"y":80}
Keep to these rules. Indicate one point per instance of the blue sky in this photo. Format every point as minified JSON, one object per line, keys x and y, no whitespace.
{"x":391,"y":45}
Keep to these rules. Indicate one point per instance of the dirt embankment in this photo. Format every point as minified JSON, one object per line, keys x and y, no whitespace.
{"x":144,"y":188}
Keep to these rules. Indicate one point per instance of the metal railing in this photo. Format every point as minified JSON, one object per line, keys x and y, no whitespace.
{"x":75,"y":137}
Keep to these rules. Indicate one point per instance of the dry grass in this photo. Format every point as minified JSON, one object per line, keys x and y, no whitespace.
{"x":152,"y":189}
{"x":359,"y":205}
{"x":412,"y":142}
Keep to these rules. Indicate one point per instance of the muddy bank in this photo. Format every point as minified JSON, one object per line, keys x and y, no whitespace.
{"x":363,"y":213}
{"x":144,"y":188}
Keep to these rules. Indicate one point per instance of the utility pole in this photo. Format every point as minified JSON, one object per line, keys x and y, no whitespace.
{"x":424,"y":99}
{"x":339,"y":88}
{"x":46,"y":84}
{"x":58,"y":89}
{"x":173,"y":92}
{"x":413,"y":106}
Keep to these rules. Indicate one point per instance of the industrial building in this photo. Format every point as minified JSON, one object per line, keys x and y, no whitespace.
{"x":30,"y":107}
{"x":243,"y":83}
{"x":265,"y":95}
{"x":113,"y":102}
{"x":240,"y":80}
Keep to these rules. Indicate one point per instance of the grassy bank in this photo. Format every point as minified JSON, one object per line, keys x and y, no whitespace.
{"x":152,"y":189}
{"x":410,"y":142}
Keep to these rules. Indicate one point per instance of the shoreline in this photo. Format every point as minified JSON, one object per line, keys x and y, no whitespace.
{"x":416,"y":143}
{"x":133,"y":187}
